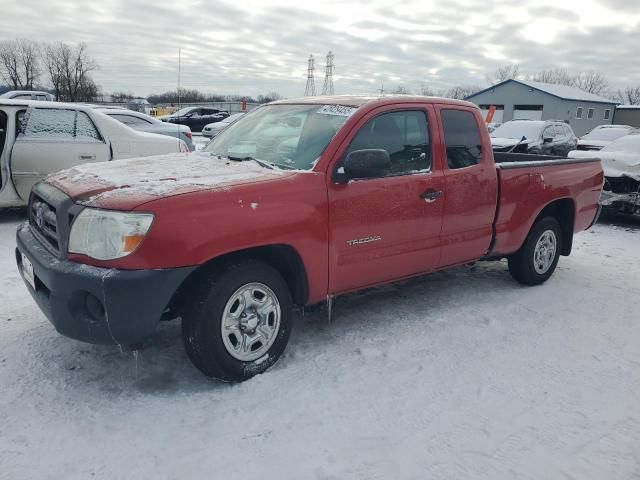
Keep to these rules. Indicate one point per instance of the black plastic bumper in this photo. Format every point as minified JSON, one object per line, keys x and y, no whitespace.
{"x":97,"y":305}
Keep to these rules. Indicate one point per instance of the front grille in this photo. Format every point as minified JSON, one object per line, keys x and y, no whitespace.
{"x":43,"y":219}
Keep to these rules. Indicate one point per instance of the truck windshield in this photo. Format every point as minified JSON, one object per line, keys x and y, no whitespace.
{"x":287,"y":136}
{"x":530,"y":130}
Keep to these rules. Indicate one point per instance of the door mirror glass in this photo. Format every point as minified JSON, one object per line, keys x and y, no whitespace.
{"x":368,"y":163}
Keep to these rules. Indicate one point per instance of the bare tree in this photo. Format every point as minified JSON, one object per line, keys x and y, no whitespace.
{"x":461,"y":92}
{"x":53,"y":60}
{"x":68,"y":68}
{"x":558,"y":76}
{"x":592,"y":82}
{"x":269,"y":97}
{"x":630,"y":95}
{"x":505,"y":72}
{"x":401,"y":90}
{"x":20,"y":63}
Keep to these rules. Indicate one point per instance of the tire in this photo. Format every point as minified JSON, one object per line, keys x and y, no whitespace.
{"x":525,"y":266}
{"x":248,"y":316}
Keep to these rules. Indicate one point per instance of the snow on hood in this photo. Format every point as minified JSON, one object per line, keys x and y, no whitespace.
{"x":594,"y":143}
{"x":507,"y":142}
{"x":123,"y":183}
{"x":614,"y":164}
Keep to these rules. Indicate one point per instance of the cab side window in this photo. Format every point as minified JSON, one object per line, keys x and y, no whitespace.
{"x":462,"y":138}
{"x":404,"y":135}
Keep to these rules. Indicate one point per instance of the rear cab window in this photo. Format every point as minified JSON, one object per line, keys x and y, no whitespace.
{"x":462,"y":138}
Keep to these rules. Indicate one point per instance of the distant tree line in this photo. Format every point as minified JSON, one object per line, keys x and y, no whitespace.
{"x":65,"y":69}
{"x":185,"y":95}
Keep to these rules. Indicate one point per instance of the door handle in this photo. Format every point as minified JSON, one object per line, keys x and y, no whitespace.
{"x":86,"y":157}
{"x":431,"y":195}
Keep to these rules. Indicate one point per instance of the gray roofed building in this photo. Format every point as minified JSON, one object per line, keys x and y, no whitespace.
{"x":627,"y":115}
{"x":524,"y":99}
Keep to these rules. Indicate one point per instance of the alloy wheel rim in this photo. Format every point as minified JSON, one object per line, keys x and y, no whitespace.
{"x":545,"y":252}
{"x":250,"y":322}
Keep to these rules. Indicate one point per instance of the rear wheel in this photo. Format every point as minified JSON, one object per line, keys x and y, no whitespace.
{"x":238,"y":323}
{"x":537,"y":259}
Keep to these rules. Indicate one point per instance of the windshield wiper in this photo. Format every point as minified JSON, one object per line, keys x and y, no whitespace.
{"x":262,"y":163}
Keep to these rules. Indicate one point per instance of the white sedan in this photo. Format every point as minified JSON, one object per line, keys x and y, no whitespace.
{"x":603,"y":135}
{"x":621,"y":165}
{"x":213,"y":129}
{"x":38,"y":138}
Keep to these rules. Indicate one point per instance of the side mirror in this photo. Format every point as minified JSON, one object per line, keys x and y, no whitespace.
{"x":369,"y":163}
{"x":547,"y":140}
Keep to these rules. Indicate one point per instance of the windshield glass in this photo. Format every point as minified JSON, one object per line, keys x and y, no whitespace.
{"x":288,"y":136}
{"x":628,"y":144}
{"x":530,"y":130}
{"x":609,"y":134}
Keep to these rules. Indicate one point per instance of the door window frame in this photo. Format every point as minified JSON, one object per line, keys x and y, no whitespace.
{"x":339,"y":156}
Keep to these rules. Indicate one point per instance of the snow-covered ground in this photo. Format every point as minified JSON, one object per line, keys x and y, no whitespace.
{"x":460,"y":375}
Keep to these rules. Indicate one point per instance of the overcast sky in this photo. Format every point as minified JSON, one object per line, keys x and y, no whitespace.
{"x":252,"y":47}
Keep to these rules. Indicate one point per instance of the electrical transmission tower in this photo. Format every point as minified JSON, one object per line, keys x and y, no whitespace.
{"x":327,"y":88}
{"x":310,"y":90}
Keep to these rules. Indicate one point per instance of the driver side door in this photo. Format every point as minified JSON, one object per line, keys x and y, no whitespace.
{"x":385,"y":228}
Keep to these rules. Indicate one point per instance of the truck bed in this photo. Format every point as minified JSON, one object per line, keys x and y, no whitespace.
{"x":528,"y":183}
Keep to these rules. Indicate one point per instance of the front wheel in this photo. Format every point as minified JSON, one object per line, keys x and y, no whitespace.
{"x":537,"y":259}
{"x":238,"y":322}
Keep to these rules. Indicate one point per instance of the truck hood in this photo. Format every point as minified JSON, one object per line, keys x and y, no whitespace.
{"x":125,"y":184}
{"x":614,"y":164}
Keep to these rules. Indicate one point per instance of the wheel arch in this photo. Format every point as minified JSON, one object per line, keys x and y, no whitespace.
{"x":563,"y":210}
{"x":284,"y":258}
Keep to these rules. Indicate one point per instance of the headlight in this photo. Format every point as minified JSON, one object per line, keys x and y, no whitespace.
{"x":106,"y":234}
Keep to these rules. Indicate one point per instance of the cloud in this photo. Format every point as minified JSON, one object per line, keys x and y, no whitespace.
{"x":256,"y":46}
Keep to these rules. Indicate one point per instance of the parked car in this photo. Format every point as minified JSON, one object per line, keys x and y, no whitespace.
{"x":545,"y":137}
{"x":28,"y":95}
{"x":372,"y":190}
{"x":492,"y":126}
{"x":621,"y":165}
{"x":212,"y":129}
{"x":146,"y":123}
{"x":195,"y":117}
{"x":603,"y":135}
{"x":39,"y":138}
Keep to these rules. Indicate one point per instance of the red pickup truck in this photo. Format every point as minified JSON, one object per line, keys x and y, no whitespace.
{"x":299,"y":201}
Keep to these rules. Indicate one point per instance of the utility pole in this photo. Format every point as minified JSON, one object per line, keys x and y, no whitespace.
{"x":310,"y":90}
{"x":327,"y":88}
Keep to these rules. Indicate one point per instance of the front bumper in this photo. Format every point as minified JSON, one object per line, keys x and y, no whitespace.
{"x":97,"y":305}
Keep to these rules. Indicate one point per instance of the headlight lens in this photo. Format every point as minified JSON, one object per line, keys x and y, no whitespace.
{"x":106,"y":234}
